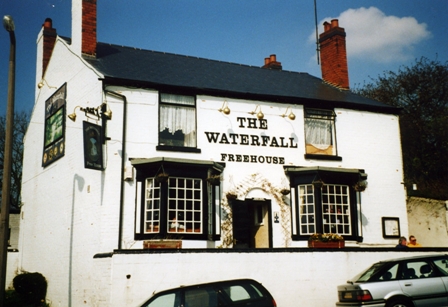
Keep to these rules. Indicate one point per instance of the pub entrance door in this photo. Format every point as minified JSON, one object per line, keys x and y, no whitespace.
{"x":252,"y":223}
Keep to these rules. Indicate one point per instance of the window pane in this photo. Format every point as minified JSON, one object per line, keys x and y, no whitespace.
{"x":177,"y":122}
{"x":442,"y":265}
{"x":177,"y":99}
{"x":166,"y":300}
{"x":336,"y":209}
{"x":319,"y":132}
{"x":237,"y":293}
{"x":206,"y":297}
{"x":152,"y":208}
{"x":185,"y":209}
{"x":306,"y":209}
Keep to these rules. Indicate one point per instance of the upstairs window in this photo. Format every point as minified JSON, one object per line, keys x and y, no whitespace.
{"x":177,"y":122}
{"x":320,"y":134}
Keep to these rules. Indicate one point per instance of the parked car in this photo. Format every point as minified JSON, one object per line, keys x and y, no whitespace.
{"x":229,"y":293}
{"x":405,"y":282}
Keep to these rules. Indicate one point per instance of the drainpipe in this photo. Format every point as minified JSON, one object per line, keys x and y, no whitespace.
{"x":123,"y":154}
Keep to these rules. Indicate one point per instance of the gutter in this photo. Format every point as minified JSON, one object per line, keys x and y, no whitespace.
{"x":123,"y":154}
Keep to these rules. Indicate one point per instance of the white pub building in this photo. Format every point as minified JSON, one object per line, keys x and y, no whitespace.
{"x":234,"y":166}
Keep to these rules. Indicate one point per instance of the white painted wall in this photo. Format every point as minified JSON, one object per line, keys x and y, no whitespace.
{"x":303,"y":278}
{"x":62,"y":203}
{"x":429,"y":221}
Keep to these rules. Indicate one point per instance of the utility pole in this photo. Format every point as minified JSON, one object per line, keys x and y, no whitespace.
{"x":8,"y":24}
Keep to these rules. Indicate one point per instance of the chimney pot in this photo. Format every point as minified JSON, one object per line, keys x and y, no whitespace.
{"x":327,"y":26}
{"x":48,"y":23}
{"x":334,"y":23}
{"x":271,"y":63}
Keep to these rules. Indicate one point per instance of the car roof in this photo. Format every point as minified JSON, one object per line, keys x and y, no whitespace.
{"x":412,"y":258}
{"x":219,"y":282}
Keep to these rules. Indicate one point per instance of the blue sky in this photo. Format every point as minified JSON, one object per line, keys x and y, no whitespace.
{"x":382,"y":35}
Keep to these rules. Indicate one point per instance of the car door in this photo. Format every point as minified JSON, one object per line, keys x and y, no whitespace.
{"x":441,"y":264}
{"x":425,"y":287}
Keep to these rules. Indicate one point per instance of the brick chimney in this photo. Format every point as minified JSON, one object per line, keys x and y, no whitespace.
{"x":271,"y":63}
{"x":49,"y":38}
{"x":333,"y":55}
{"x":84,"y":27}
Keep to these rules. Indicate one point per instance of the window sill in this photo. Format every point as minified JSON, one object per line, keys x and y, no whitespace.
{"x":323,"y":157}
{"x":177,"y":148}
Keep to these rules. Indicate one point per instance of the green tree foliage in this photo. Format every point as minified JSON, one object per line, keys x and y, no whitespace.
{"x":30,"y":290}
{"x":21,"y":121}
{"x":421,"y":91}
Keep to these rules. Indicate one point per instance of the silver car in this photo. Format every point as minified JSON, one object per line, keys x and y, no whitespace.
{"x":405,"y":282}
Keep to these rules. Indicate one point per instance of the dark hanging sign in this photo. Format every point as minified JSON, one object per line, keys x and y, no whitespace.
{"x":93,"y":150}
{"x":54,"y":136}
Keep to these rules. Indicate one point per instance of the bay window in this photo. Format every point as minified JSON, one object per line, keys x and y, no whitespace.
{"x":324,"y":200}
{"x":185,"y":205}
{"x":182,"y":204}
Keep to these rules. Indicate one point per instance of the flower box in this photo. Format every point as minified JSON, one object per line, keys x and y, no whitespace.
{"x":162,"y":244}
{"x":326,"y":240}
{"x":333,"y":244}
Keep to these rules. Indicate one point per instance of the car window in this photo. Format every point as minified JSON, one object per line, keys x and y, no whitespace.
{"x":390,"y":274}
{"x":237,"y":293}
{"x":166,"y":300}
{"x":367,"y":274}
{"x":422,"y":269}
{"x":257,"y":293}
{"x":442,"y":265}
{"x":201,"y":297}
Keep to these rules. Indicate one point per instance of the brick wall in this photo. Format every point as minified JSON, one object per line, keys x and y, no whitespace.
{"x":89,"y":27}
{"x":333,"y":55}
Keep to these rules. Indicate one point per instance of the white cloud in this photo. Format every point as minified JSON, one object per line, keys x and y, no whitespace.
{"x":371,"y":35}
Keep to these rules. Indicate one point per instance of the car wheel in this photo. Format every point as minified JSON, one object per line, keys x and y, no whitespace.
{"x":399,"y":302}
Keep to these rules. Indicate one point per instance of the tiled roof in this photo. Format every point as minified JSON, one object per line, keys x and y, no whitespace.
{"x":202,"y":76}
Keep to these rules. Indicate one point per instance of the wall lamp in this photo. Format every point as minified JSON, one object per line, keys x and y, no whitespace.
{"x":93,"y":113}
{"x":291,"y":115}
{"x":44,"y":82}
{"x":260,"y":114}
{"x":225,"y":108}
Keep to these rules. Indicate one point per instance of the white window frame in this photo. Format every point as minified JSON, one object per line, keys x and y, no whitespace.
{"x":152,"y":210}
{"x":185,"y":205}
{"x":335,"y":208}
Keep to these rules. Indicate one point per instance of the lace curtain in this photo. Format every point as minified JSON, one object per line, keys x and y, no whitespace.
{"x":319,"y":133}
{"x":179,"y":117}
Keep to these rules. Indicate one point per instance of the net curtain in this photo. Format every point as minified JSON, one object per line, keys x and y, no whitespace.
{"x":319,"y":133}
{"x":179,"y":115}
